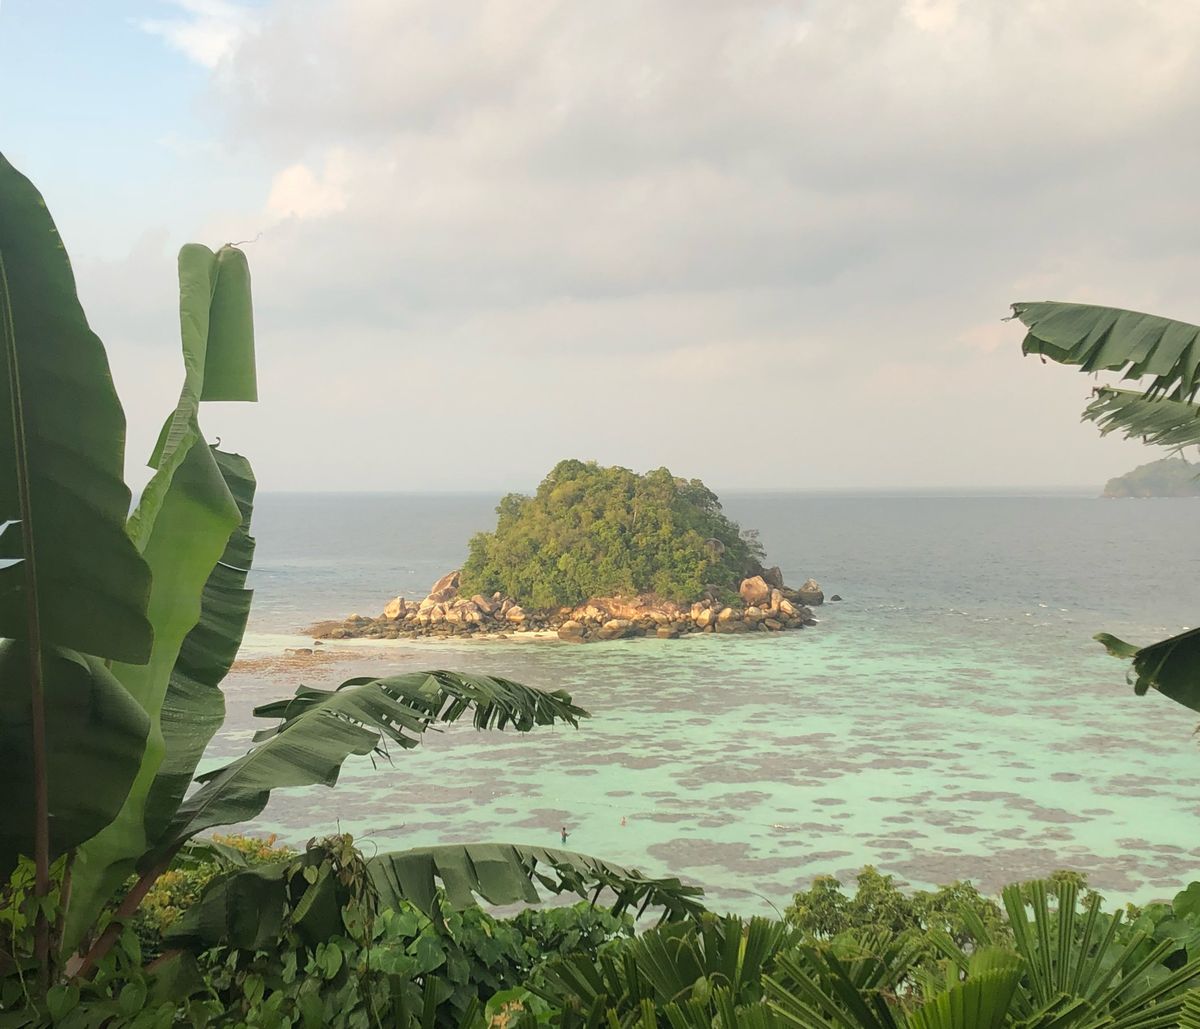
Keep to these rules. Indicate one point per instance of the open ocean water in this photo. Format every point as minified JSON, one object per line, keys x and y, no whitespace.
{"x":952,"y":718}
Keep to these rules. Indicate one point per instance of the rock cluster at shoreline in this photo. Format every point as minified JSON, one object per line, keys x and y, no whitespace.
{"x":765,"y":605}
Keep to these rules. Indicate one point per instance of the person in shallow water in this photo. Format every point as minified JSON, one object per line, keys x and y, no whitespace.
{"x":565,"y":834}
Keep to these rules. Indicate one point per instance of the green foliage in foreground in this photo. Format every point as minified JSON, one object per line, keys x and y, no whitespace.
{"x":1046,"y":956}
{"x":1170,"y":477}
{"x":590,"y":531}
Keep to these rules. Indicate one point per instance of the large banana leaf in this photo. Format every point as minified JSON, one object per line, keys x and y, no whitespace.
{"x":1110,"y":339}
{"x":247,"y":908}
{"x":194,"y":706}
{"x":507,"y":873}
{"x":321,"y":728}
{"x":182,"y":525}
{"x":97,"y":731}
{"x":1157,"y":420}
{"x":57,"y":400}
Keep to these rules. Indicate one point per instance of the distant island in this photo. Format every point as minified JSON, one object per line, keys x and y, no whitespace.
{"x":598,"y":554}
{"x":1170,"y":477}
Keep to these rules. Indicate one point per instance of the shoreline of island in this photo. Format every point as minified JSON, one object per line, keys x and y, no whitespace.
{"x":764,"y":603}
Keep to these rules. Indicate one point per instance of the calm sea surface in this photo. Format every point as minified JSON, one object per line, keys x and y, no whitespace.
{"x":950,"y":719}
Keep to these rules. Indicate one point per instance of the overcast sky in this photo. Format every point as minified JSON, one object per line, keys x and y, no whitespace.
{"x":766,"y":244}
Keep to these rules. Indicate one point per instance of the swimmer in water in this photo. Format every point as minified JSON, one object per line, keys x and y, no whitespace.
{"x":565,"y":834}
{"x":622,"y":820}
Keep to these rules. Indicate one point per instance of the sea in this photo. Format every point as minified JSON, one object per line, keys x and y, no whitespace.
{"x":950,"y":718}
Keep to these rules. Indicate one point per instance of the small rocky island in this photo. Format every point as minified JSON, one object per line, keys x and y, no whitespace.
{"x":1170,"y":477}
{"x":601,"y":554}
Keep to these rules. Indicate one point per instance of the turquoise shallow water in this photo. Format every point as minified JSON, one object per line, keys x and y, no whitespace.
{"x":951,"y":719}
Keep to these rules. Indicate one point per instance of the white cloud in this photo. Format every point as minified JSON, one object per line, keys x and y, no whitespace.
{"x":205,"y":31}
{"x":298,"y":192}
{"x":646,"y":214}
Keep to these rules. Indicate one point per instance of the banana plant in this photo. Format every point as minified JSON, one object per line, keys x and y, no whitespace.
{"x":116,"y":632}
{"x":1164,"y":356}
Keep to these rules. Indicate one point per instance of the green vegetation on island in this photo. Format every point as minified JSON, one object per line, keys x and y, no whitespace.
{"x":591,"y":531}
{"x":1169,"y":477}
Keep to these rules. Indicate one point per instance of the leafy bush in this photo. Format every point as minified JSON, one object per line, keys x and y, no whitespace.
{"x":590,"y":531}
{"x":396,"y":964}
{"x":181,"y":885}
{"x":823,"y":911}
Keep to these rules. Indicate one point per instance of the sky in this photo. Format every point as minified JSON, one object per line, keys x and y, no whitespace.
{"x":770,"y":245}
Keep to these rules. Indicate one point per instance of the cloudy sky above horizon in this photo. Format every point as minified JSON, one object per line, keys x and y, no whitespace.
{"x":766,"y":244}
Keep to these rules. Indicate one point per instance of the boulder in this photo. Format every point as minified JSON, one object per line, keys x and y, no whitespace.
{"x":810,"y":593}
{"x":753,"y":614}
{"x":773,"y":577}
{"x":571,"y":631}
{"x":787,"y":609}
{"x":772,"y":624}
{"x":590,"y":613}
{"x":483,"y":604}
{"x":706,"y":618}
{"x":835,"y":598}
{"x":754,"y":590}
{"x":449,"y":581}
{"x":395,"y":609}
{"x":516,"y":614}
{"x":616,"y":628}
{"x":666,"y":632}
{"x":776,"y":600}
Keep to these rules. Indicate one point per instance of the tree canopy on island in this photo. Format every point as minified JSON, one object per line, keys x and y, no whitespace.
{"x":591,"y":531}
{"x":1169,"y":477}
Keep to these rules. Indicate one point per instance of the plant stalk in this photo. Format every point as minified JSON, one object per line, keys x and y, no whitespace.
{"x":37,"y":701}
{"x":82,"y":967}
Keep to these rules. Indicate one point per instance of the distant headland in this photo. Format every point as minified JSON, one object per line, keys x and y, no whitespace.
{"x":600,"y":554}
{"x":1170,"y":477}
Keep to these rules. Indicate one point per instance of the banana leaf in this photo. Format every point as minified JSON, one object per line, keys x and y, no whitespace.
{"x":507,"y":873}
{"x":1171,"y":666}
{"x":1158,"y":421}
{"x":98,"y":732}
{"x":320,"y":729}
{"x":248,"y":907}
{"x":63,"y":430}
{"x":1111,"y":339}
{"x":194,"y":706}
{"x":182,"y":525}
